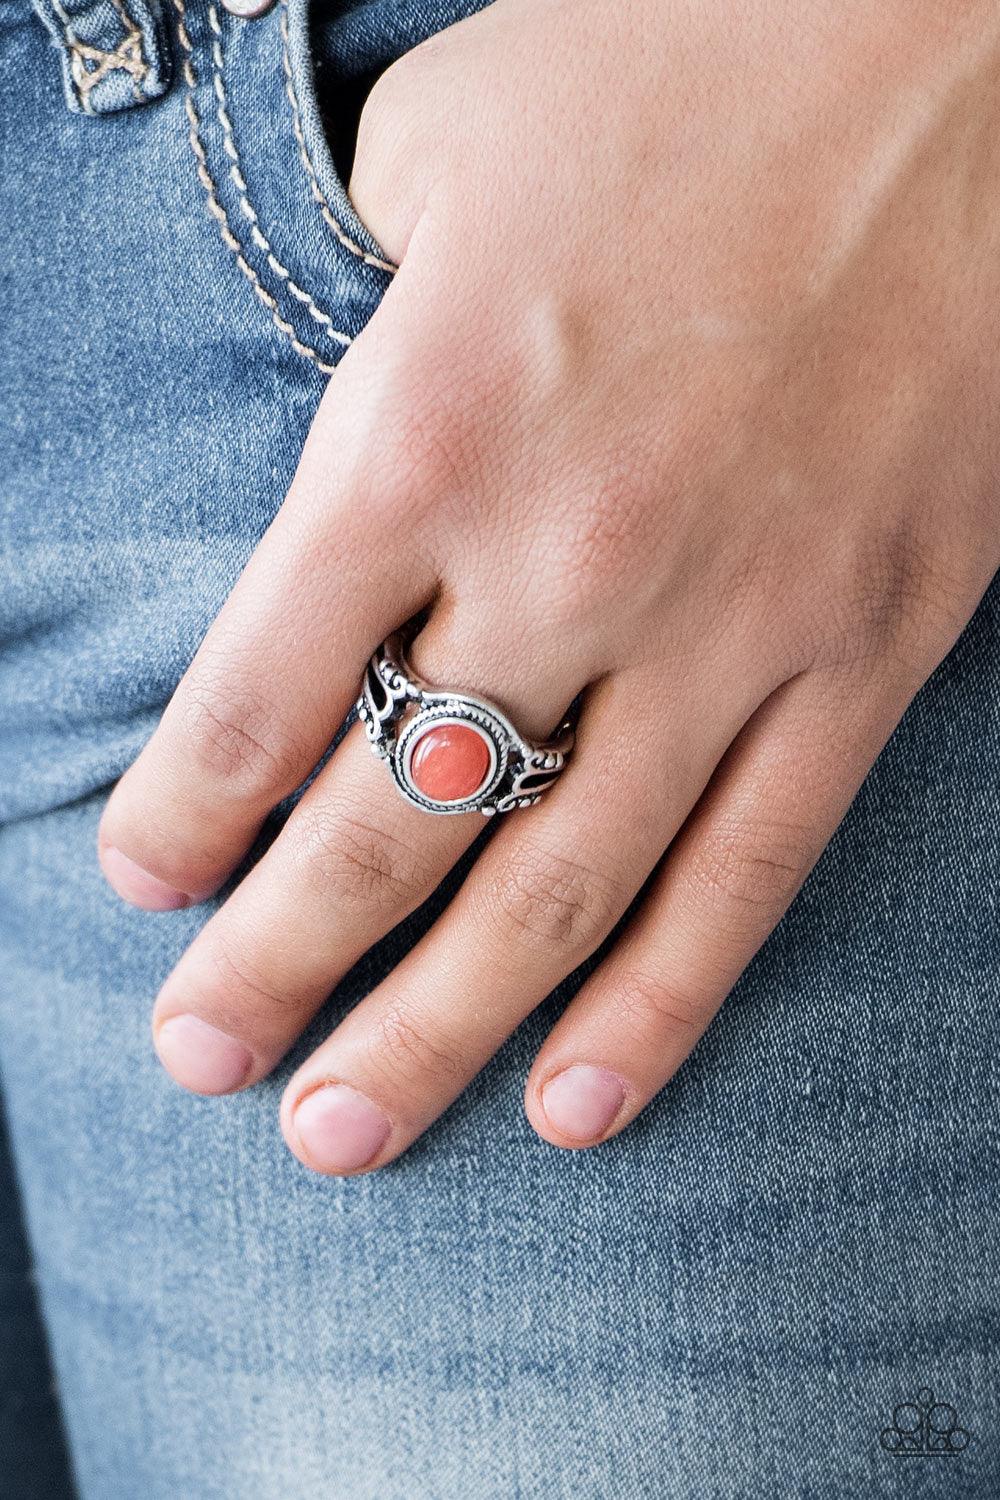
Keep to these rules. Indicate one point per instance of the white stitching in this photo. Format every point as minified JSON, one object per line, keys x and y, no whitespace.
{"x":73,"y":45}
{"x":320,"y":197}
{"x":236,"y":173}
{"x":126,"y":56}
{"x":217,"y":211}
{"x":128,"y":25}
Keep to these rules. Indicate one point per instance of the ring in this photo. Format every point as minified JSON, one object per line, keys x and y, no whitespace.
{"x":450,"y":752}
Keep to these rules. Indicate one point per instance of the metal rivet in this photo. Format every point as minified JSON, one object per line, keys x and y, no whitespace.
{"x":247,"y":10}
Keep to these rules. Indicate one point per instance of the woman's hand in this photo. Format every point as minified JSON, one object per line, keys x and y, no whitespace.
{"x":687,"y":395}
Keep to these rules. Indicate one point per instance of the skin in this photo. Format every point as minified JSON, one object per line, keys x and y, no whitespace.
{"x":687,"y":395}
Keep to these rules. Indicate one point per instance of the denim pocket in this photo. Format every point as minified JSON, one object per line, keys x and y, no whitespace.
{"x":343,"y":46}
{"x":335,"y":50}
{"x":267,"y":173}
{"x":260,"y":131}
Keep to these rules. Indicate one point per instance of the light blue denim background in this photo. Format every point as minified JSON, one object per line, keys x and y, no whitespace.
{"x":725,"y":1302}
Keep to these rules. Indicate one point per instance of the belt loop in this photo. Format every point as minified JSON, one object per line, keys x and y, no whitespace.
{"x":115,"y":53}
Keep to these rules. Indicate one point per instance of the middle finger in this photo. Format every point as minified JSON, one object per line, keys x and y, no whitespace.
{"x":544,"y":895}
{"x":352,"y":861}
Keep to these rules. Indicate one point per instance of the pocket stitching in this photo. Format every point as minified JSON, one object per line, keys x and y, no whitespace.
{"x":236,"y":174}
{"x":229,"y":238}
{"x":319,"y":197}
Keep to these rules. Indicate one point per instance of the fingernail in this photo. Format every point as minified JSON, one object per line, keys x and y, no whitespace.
{"x":339,"y":1129}
{"x":135,"y":884}
{"x":581,"y":1102}
{"x":201,"y":1057}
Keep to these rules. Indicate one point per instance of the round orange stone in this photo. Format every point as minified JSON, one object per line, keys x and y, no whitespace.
{"x":449,"y":762}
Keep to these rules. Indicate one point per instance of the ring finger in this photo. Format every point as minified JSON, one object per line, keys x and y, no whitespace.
{"x":351,"y":862}
{"x":543,"y":896}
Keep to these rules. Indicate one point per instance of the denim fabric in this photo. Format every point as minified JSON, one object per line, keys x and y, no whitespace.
{"x":726,"y":1302}
{"x":115,"y":53}
{"x":33,"y":1459}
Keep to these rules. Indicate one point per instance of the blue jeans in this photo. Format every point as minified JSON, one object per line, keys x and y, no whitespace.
{"x":727,"y":1301}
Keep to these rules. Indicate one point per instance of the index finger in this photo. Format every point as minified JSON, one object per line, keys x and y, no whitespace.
{"x":278,"y":670}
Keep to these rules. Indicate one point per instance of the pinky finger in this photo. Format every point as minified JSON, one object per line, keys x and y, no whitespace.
{"x":727,"y":880}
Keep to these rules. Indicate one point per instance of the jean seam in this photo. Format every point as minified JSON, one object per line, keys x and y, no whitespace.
{"x":316,"y":190}
{"x":239,"y":181}
{"x":229,"y":238}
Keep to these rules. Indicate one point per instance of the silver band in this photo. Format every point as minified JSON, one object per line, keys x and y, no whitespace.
{"x":398,"y":709}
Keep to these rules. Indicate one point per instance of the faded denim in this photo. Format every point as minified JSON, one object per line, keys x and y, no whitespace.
{"x":727,"y":1301}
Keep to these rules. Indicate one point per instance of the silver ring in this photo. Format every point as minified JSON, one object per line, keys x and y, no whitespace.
{"x":448,"y":751}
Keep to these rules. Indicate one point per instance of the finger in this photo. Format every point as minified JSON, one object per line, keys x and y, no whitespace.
{"x":766,"y":817}
{"x":352,"y":861}
{"x":279,"y":668}
{"x":546,"y":891}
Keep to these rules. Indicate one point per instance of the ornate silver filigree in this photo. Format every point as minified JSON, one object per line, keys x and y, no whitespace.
{"x":397,"y":707}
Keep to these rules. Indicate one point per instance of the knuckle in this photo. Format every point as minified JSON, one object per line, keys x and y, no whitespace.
{"x":408,"y":1048}
{"x":648,"y":1001}
{"x":389,"y":173}
{"x":590,"y":556}
{"x":884,"y":607}
{"x":420,"y":451}
{"x":345,"y":857}
{"x":398,"y":100}
{"x":931,"y":599}
{"x":393,"y":83}
{"x":434,"y":436}
{"x":546,"y":901}
{"x":758,"y":868}
{"x":234,"y":985}
{"x":388,"y":108}
{"x":233,"y":736}
{"x":570,"y":594}
{"x":615,"y":528}
{"x":900,"y":599}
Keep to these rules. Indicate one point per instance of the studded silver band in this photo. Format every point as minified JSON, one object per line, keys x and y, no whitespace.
{"x":399,"y":709}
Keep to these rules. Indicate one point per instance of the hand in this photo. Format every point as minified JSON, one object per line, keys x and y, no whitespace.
{"x":686,"y":395}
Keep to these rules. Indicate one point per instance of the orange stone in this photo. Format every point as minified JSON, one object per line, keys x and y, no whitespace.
{"x":449,"y":762}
